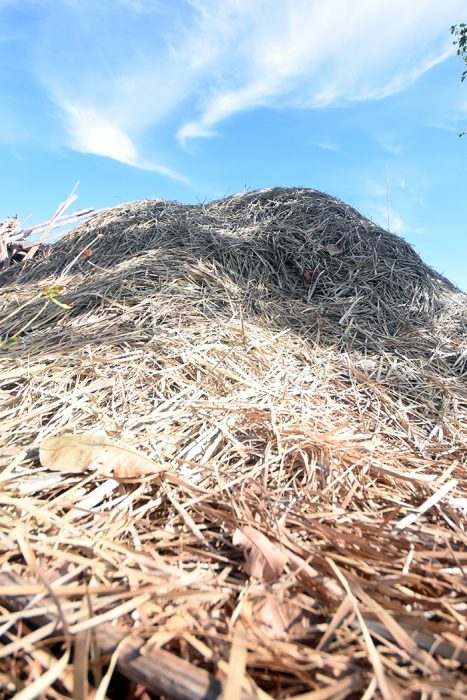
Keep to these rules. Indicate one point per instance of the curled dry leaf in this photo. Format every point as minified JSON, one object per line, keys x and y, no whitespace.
{"x":95,"y":451}
{"x":280,"y":619}
{"x":263,"y":559}
{"x":332,"y":249}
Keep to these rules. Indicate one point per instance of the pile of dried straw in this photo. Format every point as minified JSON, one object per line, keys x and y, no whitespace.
{"x":297,"y":376}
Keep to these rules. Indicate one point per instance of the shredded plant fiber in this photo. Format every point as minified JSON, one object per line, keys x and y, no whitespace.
{"x":297,"y":376}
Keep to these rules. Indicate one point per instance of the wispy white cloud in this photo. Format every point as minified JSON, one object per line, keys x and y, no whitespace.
{"x":124,"y":70}
{"x":390,"y":146}
{"x":90,"y":132}
{"x":397,"y":223}
{"x":391,"y":209}
{"x":454,"y":120}
{"x":326,"y":145}
{"x":297,"y":54}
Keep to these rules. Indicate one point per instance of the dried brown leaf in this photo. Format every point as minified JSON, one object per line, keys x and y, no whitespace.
{"x":263,"y":559}
{"x":281,"y":619}
{"x":332,"y":249}
{"x":94,"y":451}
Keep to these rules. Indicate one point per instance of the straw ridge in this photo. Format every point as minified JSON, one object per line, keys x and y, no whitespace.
{"x":299,"y":373}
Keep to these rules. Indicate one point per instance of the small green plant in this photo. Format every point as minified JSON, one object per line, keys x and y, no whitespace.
{"x":51,"y":292}
{"x":8,"y":341}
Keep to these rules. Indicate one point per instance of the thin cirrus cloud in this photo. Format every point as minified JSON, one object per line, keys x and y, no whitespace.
{"x":134,"y":71}
{"x":394,"y":221}
{"x":90,"y":132}
{"x":296,"y":54}
{"x":326,"y":146}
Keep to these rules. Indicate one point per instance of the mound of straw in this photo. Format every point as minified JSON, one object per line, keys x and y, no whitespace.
{"x":298,"y":375}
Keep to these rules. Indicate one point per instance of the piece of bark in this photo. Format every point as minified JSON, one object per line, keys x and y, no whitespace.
{"x":9,"y":228}
{"x":13,"y":243}
{"x":159,"y":671}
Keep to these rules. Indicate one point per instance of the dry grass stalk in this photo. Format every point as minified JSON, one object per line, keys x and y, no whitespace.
{"x":292,"y":368}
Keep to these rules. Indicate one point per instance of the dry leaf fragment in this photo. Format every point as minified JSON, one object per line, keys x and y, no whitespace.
{"x":263,"y":559}
{"x":281,"y":619}
{"x":332,"y":249}
{"x":95,"y":451}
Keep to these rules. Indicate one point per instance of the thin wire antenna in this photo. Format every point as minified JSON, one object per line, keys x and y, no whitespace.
{"x":388,"y":204}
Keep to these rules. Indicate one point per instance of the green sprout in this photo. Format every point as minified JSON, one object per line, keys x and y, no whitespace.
{"x":51,"y":292}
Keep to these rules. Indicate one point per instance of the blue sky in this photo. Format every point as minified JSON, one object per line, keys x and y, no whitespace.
{"x":194,"y":99}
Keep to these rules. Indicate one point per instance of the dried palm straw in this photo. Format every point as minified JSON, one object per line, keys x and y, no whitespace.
{"x":295,"y":369}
